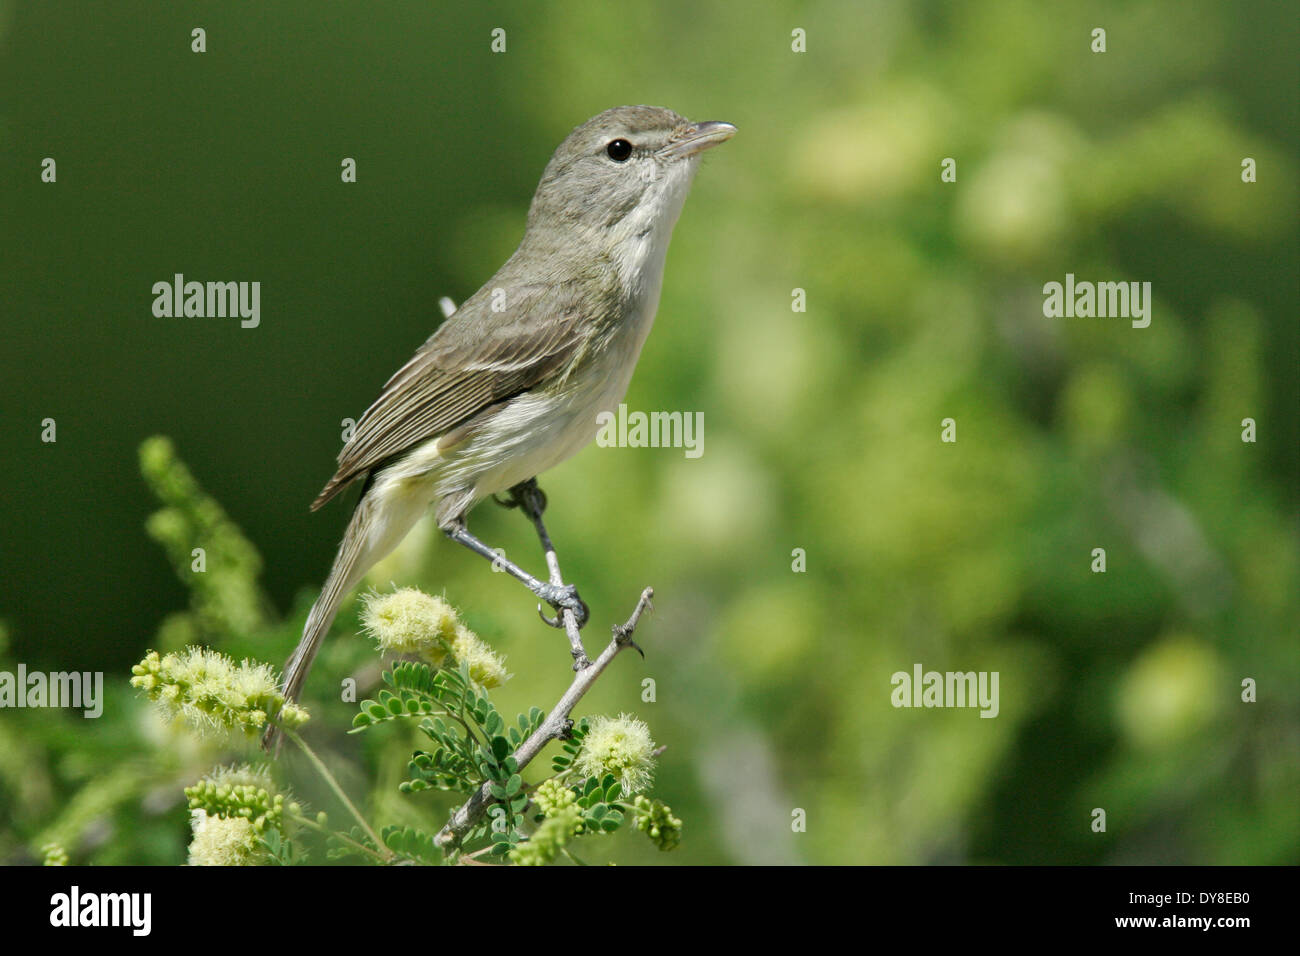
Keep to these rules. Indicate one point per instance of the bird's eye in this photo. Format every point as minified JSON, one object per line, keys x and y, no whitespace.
{"x":619,"y":150}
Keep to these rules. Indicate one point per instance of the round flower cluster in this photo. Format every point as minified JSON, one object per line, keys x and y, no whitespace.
{"x":621,"y":746}
{"x":211,"y":691}
{"x":410,"y":622}
{"x":224,"y":841}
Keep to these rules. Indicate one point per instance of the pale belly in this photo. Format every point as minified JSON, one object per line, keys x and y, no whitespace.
{"x":534,"y":433}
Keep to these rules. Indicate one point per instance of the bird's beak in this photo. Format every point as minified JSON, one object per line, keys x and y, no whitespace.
{"x":699,"y":137}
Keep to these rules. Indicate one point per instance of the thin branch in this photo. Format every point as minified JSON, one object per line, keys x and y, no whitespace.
{"x":338,"y":790}
{"x":532,"y":500}
{"x":555,"y":725}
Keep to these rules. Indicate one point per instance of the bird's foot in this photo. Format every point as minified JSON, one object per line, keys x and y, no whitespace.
{"x":563,"y":597}
{"x":526,"y":495}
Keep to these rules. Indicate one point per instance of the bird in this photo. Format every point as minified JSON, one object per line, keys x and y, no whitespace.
{"x":513,"y":382}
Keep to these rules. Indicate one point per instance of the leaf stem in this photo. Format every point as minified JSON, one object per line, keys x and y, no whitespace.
{"x":342,"y":837}
{"x":338,"y":791}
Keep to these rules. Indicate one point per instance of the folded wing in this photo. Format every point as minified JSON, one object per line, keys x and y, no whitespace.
{"x":476,"y":359}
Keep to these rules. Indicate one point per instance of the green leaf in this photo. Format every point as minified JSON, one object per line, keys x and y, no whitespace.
{"x":412,"y":843}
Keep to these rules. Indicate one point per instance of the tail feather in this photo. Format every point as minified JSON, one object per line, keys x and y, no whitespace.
{"x":376,"y":528}
{"x":332,"y":488}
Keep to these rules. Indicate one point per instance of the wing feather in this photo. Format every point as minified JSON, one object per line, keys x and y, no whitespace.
{"x":476,"y":359}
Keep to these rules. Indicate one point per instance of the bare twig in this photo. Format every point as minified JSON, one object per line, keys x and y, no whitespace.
{"x":555,"y":725}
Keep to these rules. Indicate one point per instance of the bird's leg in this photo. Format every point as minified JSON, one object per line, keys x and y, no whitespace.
{"x":532,"y":501}
{"x":559,"y":596}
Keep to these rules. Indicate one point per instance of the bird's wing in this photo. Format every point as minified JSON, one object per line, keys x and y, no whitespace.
{"x":476,"y":358}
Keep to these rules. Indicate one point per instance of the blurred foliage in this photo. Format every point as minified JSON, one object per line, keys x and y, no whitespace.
{"x":218,"y":565}
{"x":1120,"y":690}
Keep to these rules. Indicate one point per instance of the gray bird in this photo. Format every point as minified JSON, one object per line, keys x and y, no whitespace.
{"x":512,"y":383}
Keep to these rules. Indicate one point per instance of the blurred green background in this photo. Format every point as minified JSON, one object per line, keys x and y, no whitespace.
{"x":1118,"y":690}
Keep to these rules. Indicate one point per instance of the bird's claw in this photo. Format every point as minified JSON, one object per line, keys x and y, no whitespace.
{"x":563,"y":598}
{"x":526,"y":495}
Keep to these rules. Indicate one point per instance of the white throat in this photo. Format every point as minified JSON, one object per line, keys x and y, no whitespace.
{"x":643,"y":235}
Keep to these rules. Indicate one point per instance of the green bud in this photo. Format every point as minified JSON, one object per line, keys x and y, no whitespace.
{"x":655,"y":819}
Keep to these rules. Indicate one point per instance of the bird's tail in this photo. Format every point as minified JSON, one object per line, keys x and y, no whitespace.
{"x":376,"y":528}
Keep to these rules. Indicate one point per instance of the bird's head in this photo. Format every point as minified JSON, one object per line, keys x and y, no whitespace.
{"x":622,"y":175}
